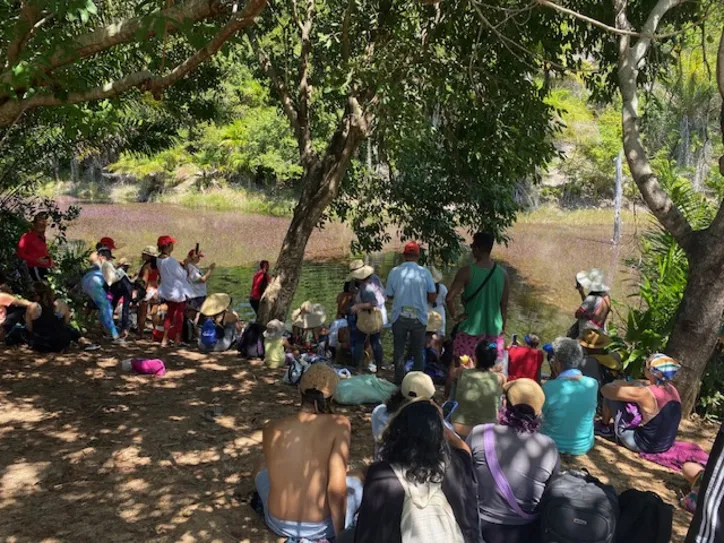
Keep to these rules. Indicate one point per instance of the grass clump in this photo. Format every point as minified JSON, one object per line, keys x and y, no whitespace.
{"x":236,"y":199}
{"x":555,"y":215}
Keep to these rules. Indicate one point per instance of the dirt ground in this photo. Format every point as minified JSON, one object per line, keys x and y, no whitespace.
{"x":89,"y":453}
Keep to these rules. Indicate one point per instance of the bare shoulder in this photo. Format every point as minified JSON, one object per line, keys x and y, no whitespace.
{"x":341,"y":423}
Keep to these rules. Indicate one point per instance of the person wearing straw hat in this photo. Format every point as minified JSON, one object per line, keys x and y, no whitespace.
{"x":526,"y":459}
{"x":595,"y":306}
{"x":308,"y":318}
{"x":411,"y":288}
{"x":149,"y":275}
{"x":603,"y":366}
{"x":304,"y":487}
{"x":226,"y":323}
{"x":657,"y":400}
{"x":370,"y":298}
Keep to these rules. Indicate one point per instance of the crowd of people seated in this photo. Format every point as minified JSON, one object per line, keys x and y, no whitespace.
{"x":472,"y":464}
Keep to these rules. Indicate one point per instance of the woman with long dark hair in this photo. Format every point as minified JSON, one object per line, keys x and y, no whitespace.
{"x":514,"y":454}
{"x":422,"y":489}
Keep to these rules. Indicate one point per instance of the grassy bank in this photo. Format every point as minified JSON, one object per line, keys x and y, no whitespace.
{"x":232,"y":199}
{"x":600,"y":216}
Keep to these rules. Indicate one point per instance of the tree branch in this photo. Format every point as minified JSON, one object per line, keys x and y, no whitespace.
{"x":29,"y":15}
{"x":284,"y":95}
{"x":656,"y":198}
{"x":144,"y":80}
{"x":13,"y":108}
{"x":238,"y":22}
{"x":126,"y":31}
{"x":305,"y":89}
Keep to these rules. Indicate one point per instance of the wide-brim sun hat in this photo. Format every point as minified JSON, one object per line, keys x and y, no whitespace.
{"x":274,"y":329}
{"x":356,"y":264}
{"x":592,"y":338}
{"x":525,"y":392}
{"x":309,"y":315}
{"x":215,"y":304}
{"x":150,"y":250}
{"x":592,"y":280}
{"x":436,"y":275}
{"x":361,"y":274}
{"x":319,"y":377}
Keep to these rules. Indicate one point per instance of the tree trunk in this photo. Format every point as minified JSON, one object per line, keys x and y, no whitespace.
{"x":698,"y":319}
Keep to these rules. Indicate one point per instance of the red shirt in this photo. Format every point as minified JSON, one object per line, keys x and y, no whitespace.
{"x":524,"y":362}
{"x":31,"y":248}
{"x":259,"y":284}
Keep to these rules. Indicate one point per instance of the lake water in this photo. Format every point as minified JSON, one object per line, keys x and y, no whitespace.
{"x":542,"y":260}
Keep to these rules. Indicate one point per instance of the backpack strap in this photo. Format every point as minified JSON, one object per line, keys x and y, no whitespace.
{"x":482,"y":285}
{"x":501,"y":482}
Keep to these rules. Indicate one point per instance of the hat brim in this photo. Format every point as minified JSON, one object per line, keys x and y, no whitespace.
{"x":361,"y":273}
{"x":215,"y":304}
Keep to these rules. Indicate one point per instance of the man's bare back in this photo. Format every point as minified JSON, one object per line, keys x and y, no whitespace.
{"x":306,"y":455}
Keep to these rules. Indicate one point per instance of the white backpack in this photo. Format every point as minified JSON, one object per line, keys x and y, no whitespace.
{"x":426,"y":514}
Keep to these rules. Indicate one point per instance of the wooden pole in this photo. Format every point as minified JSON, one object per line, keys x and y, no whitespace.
{"x":617,"y":200}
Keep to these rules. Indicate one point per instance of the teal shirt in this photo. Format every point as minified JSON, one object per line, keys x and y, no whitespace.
{"x":568,"y":413}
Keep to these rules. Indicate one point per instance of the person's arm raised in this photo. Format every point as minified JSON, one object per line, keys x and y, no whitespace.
{"x":337,"y":480}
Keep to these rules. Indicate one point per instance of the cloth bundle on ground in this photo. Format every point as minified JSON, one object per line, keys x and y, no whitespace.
{"x":145,"y":367}
{"x":678,"y":455}
{"x":362,"y":389}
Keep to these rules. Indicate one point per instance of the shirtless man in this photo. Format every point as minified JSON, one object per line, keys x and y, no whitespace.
{"x":304,"y":486}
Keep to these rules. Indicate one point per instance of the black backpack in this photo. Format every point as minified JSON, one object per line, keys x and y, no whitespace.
{"x":578,"y":508}
{"x":251,"y":342}
{"x":644,"y":517}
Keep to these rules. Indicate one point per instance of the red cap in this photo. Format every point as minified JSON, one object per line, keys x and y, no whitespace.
{"x":192,"y":252}
{"x":108,"y":242}
{"x":165,"y":240}
{"x":411,"y":248}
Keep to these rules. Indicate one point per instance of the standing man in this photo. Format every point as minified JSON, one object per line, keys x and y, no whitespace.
{"x":484,"y":287}
{"x":33,"y":249}
{"x":258,"y":285}
{"x":411,"y":288}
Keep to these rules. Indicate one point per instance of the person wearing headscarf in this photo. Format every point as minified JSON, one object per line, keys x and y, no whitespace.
{"x":527,"y":459}
{"x":656,"y":400}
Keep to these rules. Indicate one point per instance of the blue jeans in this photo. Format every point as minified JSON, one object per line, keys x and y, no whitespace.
{"x":358,"y":349}
{"x":308,"y":530}
{"x":402,"y":329}
{"x":92,"y":284}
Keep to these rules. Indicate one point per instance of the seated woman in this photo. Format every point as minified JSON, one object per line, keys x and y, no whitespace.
{"x":570,"y":400}
{"x":477,"y":391}
{"x":527,"y":459}
{"x":47,"y":323}
{"x":416,"y":385}
{"x":658,"y":402}
{"x":220,"y":328}
{"x":307,"y":322}
{"x":426,"y":465}
{"x":275,"y":344}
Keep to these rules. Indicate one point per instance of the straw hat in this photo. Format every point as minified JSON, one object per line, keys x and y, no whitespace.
{"x":319,"y":377}
{"x":122,"y":262}
{"x":417,"y":385}
{"x":434,"y":321}
{"x":356,"y":264}
{"x":525,"y":392}
{"x":436,"y":275}
{"x":274,"y":329}
{"x":309,"y":315}
{"x":592,"y":338}
{"x":215,"y":304}
{"x":361,"y":273}
{"x":150,"y":250}
{"x":592,"y":280}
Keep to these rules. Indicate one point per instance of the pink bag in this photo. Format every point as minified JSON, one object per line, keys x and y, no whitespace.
{"x":146,"y":367}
